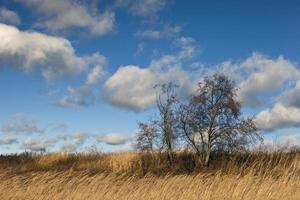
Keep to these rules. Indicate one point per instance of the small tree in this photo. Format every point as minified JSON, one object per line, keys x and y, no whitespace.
{"x":211,"y":120}
{"x":166,"y":102}
{"x":147,"y":136}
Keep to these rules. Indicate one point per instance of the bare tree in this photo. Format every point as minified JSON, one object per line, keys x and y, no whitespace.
{"x":211,"y":120}
{"x":166,"y":102}
{"x":147,"y":137}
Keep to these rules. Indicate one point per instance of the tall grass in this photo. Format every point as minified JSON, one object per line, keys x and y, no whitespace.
{"x":248,"y":175}
{"x":258,"y":163}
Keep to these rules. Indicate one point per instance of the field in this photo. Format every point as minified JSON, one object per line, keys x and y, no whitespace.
{"x":252,"y":175}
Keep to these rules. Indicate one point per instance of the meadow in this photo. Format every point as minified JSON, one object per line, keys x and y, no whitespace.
{"x":131,"y":175}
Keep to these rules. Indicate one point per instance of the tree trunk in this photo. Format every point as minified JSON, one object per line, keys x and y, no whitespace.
{"x":170,"y":152}
{"x":207,"y":158}
{"x":168,"y":139}
{"x":199,"y":161}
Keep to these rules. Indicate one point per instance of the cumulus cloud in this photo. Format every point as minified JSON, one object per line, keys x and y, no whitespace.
{"x":38,"y":144}
{"x":132,"y":87}
{"x":292,"y":96}
{"x":71,"y":145}
{"x":187,"y":50}
{"x":188,"y":47}
{"x":262,"y":79}
{"x":290,"y":140}
{"x":9,"y":16}
{"x":286,"y":111}
{"x":20,"y":123}
{"x":73,"y":141}
{"x":82,"y":96}
{"x":166,"y":32}
{"x":94,"y":75}
{"x":115,"y":138}
{"x":283,"y":141}
{"x":142,"y":8}
{"x":96,"y":60}
{"x":70,"y":142}
{"x":265,"y":76}
{"x":6,"y":140}
{"x":27,"y":50}
{"x":258,"y":76}
{"x":279,"y":116}
{"x":57,"y":15}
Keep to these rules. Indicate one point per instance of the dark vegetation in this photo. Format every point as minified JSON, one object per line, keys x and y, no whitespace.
{"x":260,"y":163}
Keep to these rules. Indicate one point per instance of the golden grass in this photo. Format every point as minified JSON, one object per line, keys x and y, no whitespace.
{"x":253,"y":175}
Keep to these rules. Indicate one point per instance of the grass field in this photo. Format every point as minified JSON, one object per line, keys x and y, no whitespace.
{"x":253,"y":175}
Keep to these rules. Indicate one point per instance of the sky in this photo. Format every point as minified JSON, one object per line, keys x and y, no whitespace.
{"x":78,"y":74}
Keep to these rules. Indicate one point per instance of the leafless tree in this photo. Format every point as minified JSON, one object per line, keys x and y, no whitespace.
{"x":166,"y":102}
{"x":147,"y":137}
{"x":212,"y":120}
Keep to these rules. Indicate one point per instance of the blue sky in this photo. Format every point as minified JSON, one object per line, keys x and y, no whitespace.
{"x":80,"y":73}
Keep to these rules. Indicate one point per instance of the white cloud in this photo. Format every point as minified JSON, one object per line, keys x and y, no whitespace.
{"x":71,"y":145}
{"x":263,"y":81}
{"x":6,"y":140}
{"x":142,"y":8}
{"x":82,"y":96}
{"x":187,"y":50}
{"x":279,"y":116}
{"x":166,"y":32}
{"x":290,"y":140}
{"x":72,"y":141}
{"x":152,"y":34}
{"x":9,"y":16}
{"x":96,"y":59}
{"x":259,"y":76}
{"x":38,"y":144}
{"x":265,"y":76}
{"x":132,"y":87}
{"x":188,"y":47}
{"x":285,"y":141}
{"x":292,"y":96}
{"x":94,"y":75}
{"x":20,"y":123}
{"x":60,"y":15}
{"x":27,"y":50}
{"x":115,"y":138}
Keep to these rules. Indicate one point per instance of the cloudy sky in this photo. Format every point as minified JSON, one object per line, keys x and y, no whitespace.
{"x":77,"y":73}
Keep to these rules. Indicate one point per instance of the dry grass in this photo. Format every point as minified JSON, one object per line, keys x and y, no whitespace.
{"x":253,"y":175}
